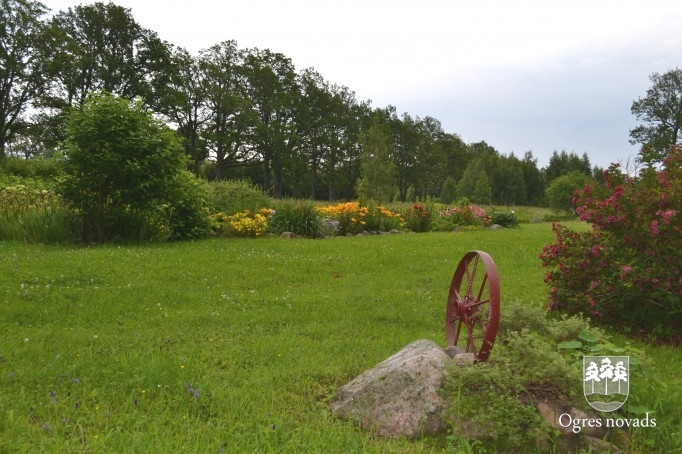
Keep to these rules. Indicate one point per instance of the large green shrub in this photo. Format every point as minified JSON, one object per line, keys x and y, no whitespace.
{"x":187,"y":208}
{"x":124,"y":172}
{"x":560,"y":191}
{"x":626,"y":272}
{"x":235,"y":196}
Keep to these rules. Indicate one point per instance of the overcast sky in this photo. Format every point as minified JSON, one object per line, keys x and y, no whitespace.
{"x":522,"y":75}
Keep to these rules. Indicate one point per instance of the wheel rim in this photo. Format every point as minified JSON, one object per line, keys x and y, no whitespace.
{"x":473,"y":310}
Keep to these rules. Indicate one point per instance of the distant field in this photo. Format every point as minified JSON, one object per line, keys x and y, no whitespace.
{"x":224,"y":344}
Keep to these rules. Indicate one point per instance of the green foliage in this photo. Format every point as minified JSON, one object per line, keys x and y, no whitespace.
{"x":504,"y":218}
{"x":498,"y":396}
{"x":561,"y":190}
{"x":475,"y":183}
{"x":536,"y":358}
{"x":26,"y":59}
{"x":186,"y":207}
{"x":55,"y":225}
{"x":122,"y":165}
{"x":300,"y":217}
{"x":625,"y":272}
{"x":448,"y":193}
{"x":377,"y":169}
{"x":660,"y":112}
{"x":35,"y":215}
{"x":39,"y":168}
{"x":235,"y":196}
{"x":563,"y":163}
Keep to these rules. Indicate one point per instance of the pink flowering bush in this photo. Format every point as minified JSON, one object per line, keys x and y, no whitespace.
{"x":462,"y":216}
{"x":626,"y":272}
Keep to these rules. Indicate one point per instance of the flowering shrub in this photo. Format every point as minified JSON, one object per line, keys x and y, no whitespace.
{"x":462,"y":216}
{"x":244,"y":224}
{"x":626,"y":271}
{"x":352,"y":218}
{"x":20,"y":198}
{"x":418,"y":218}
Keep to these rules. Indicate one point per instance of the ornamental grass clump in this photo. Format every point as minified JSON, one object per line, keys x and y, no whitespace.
{"x":626,"y":271}
{"x":299,"y":217}
{"x":35,"y":215}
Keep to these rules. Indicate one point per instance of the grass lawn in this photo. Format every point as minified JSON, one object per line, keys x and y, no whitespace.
{"x":230,"y":345}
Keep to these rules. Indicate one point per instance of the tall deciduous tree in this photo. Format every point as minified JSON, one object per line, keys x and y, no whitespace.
{"x":316,"y":114}
{"x":660,"y":112}
{"x":183,"y":102}
{"x":24,"y":64}
{"x":272,"y":90}
{"x":377,"y":165}
{"x":104,"y":49}
{"x":231,"y":122}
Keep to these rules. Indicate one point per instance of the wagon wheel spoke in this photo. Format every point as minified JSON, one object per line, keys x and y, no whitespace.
{"x":479,"y":308}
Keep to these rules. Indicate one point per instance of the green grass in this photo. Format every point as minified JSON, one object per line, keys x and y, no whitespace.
{"x":103,"y":348}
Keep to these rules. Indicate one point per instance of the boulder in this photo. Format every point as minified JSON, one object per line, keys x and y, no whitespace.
{"x":399,"y":396}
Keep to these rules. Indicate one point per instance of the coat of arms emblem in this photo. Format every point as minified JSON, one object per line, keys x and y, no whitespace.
{"x":606,"y":381}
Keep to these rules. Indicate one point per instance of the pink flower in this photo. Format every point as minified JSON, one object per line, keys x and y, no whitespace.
{"x":667,"y":215}
{"x":626,"y":270}
{"x":654,"y":228}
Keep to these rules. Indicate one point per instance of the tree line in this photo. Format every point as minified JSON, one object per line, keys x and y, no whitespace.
{"x":244,"y":113}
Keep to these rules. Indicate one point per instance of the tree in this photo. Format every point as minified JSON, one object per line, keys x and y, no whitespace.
{"x":560,"y":191}
{"x":377,"y":168}
{"x":122,"y":166}
{"x":660,"y":111}
{"x":24,"y":66}
{"x":532,"y":177}
{"x":104,"y":49}
{"x":231,"y":118}
{"x":564,"y":163}
{"x":448,"y":193}
{"x":183,"y":103}
{"x":272,"y":91}
{"x":509,"y":187}
{"x":475,"y":183}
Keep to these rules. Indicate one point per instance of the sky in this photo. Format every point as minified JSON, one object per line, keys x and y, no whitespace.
{"x":521,"y":75}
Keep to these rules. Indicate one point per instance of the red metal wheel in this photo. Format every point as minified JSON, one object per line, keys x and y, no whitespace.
{"x":474,"y":303}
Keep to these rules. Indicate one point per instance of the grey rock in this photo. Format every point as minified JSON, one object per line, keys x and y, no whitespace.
{"x":399,"y":396}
